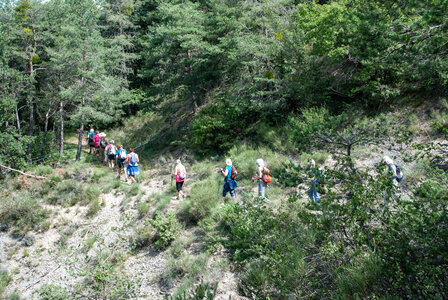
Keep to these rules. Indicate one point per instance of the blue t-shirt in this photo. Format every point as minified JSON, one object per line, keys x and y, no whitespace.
{"x":229,"y":174}
{"x":91,"y":135}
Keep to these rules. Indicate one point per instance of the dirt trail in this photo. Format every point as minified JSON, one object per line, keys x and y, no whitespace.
{"x":58,"y":255}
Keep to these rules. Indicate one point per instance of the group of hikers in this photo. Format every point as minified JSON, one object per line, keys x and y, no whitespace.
{"x":128,"y":161}
{"x":109,"y":153}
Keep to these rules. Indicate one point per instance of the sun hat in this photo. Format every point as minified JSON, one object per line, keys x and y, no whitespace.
{"x":102,"y":134}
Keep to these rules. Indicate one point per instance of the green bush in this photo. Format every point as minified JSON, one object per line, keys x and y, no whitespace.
{"x":167,"y":229}
{"x":22,"y":213}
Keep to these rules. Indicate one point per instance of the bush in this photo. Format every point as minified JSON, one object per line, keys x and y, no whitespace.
{"x":167,"y":229}
{"x":21,"y":212}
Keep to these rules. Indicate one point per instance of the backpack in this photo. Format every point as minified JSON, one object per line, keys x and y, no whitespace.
{"x":233,"y":173}
{"x":182,"y":175}
{"x":112,"y":150}
{"x":91,"y":137}
{"x":133,"y":162}
{"x":122,"y":154}
{"x":103,"y":142}
{"x":266,"y":175}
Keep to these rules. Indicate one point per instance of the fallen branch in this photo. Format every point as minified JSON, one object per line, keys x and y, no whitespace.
{"x":29,"y":175}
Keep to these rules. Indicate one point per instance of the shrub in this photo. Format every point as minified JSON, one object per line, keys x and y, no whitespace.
{"x":167,"y":229}
{"x":21,"y":212}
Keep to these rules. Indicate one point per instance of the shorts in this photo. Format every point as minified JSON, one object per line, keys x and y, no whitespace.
{"x":111,"y":157}
{"x":179,"y":185}
{"x":120,"y":162}
{"x":229,"y":186}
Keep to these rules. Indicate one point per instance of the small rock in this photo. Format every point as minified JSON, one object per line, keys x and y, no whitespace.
{"x":29,"y":239}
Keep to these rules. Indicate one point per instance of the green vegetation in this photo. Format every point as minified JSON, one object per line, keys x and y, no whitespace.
{"x":340,"y":82}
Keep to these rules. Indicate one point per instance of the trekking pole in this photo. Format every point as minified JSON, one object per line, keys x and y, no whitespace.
{"x":219,"y":183}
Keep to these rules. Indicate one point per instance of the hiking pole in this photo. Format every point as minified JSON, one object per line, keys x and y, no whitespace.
{"x":219,"y":183}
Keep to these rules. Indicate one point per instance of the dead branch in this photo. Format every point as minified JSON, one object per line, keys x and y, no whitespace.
{"x":29,"y":175}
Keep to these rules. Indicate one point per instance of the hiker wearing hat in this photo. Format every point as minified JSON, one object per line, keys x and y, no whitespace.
{"x":91,"y":143}
{"x":262,"y":177}
{"x":179,"y":173}
{"x":396,"y":173}
{"x":111,"y":153}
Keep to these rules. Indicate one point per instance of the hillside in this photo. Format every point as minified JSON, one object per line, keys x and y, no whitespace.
{"x":82,"y":233}
{"x":345,"y":102}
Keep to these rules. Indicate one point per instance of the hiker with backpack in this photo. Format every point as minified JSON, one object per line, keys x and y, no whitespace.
{"x":96,"y":142}
{"x":90,"y":140}
{"x":122,"y":155}
{"x":396,"y":173}
{"x":230,"y":184}
{"x":132,"y":161}
{"x":102,"y":147}
{"x":111,"y":153}
{"x":314,"y":195}
{"x":180,"y":174}
{"x":263,"y":177}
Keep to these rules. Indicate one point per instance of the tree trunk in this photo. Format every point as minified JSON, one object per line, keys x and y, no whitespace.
{"x":31,"y":129}
{"x":81,"y":128}
{"x":44,"y":141}
{"x":18,"y":121}
{"x":349,"y":149}
{"x":61,"y":129}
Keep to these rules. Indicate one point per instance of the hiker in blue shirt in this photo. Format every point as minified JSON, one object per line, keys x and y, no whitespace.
{"x":132,"y":161}
{"x":229,"y":173}
{"x":122,"y":155}
{"x":91,"y":143}
{"x":396,"y":173}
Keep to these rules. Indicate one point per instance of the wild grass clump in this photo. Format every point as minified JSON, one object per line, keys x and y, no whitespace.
{"x":4,"y":281}
{"x":361,"y":277}
{"x":53,"y":292}
{"x":143,"y":208}
{"x":43,"y":170}
{"x":94,"y":208}
{"x":201,"y":201}
{"x":22,"y":213}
